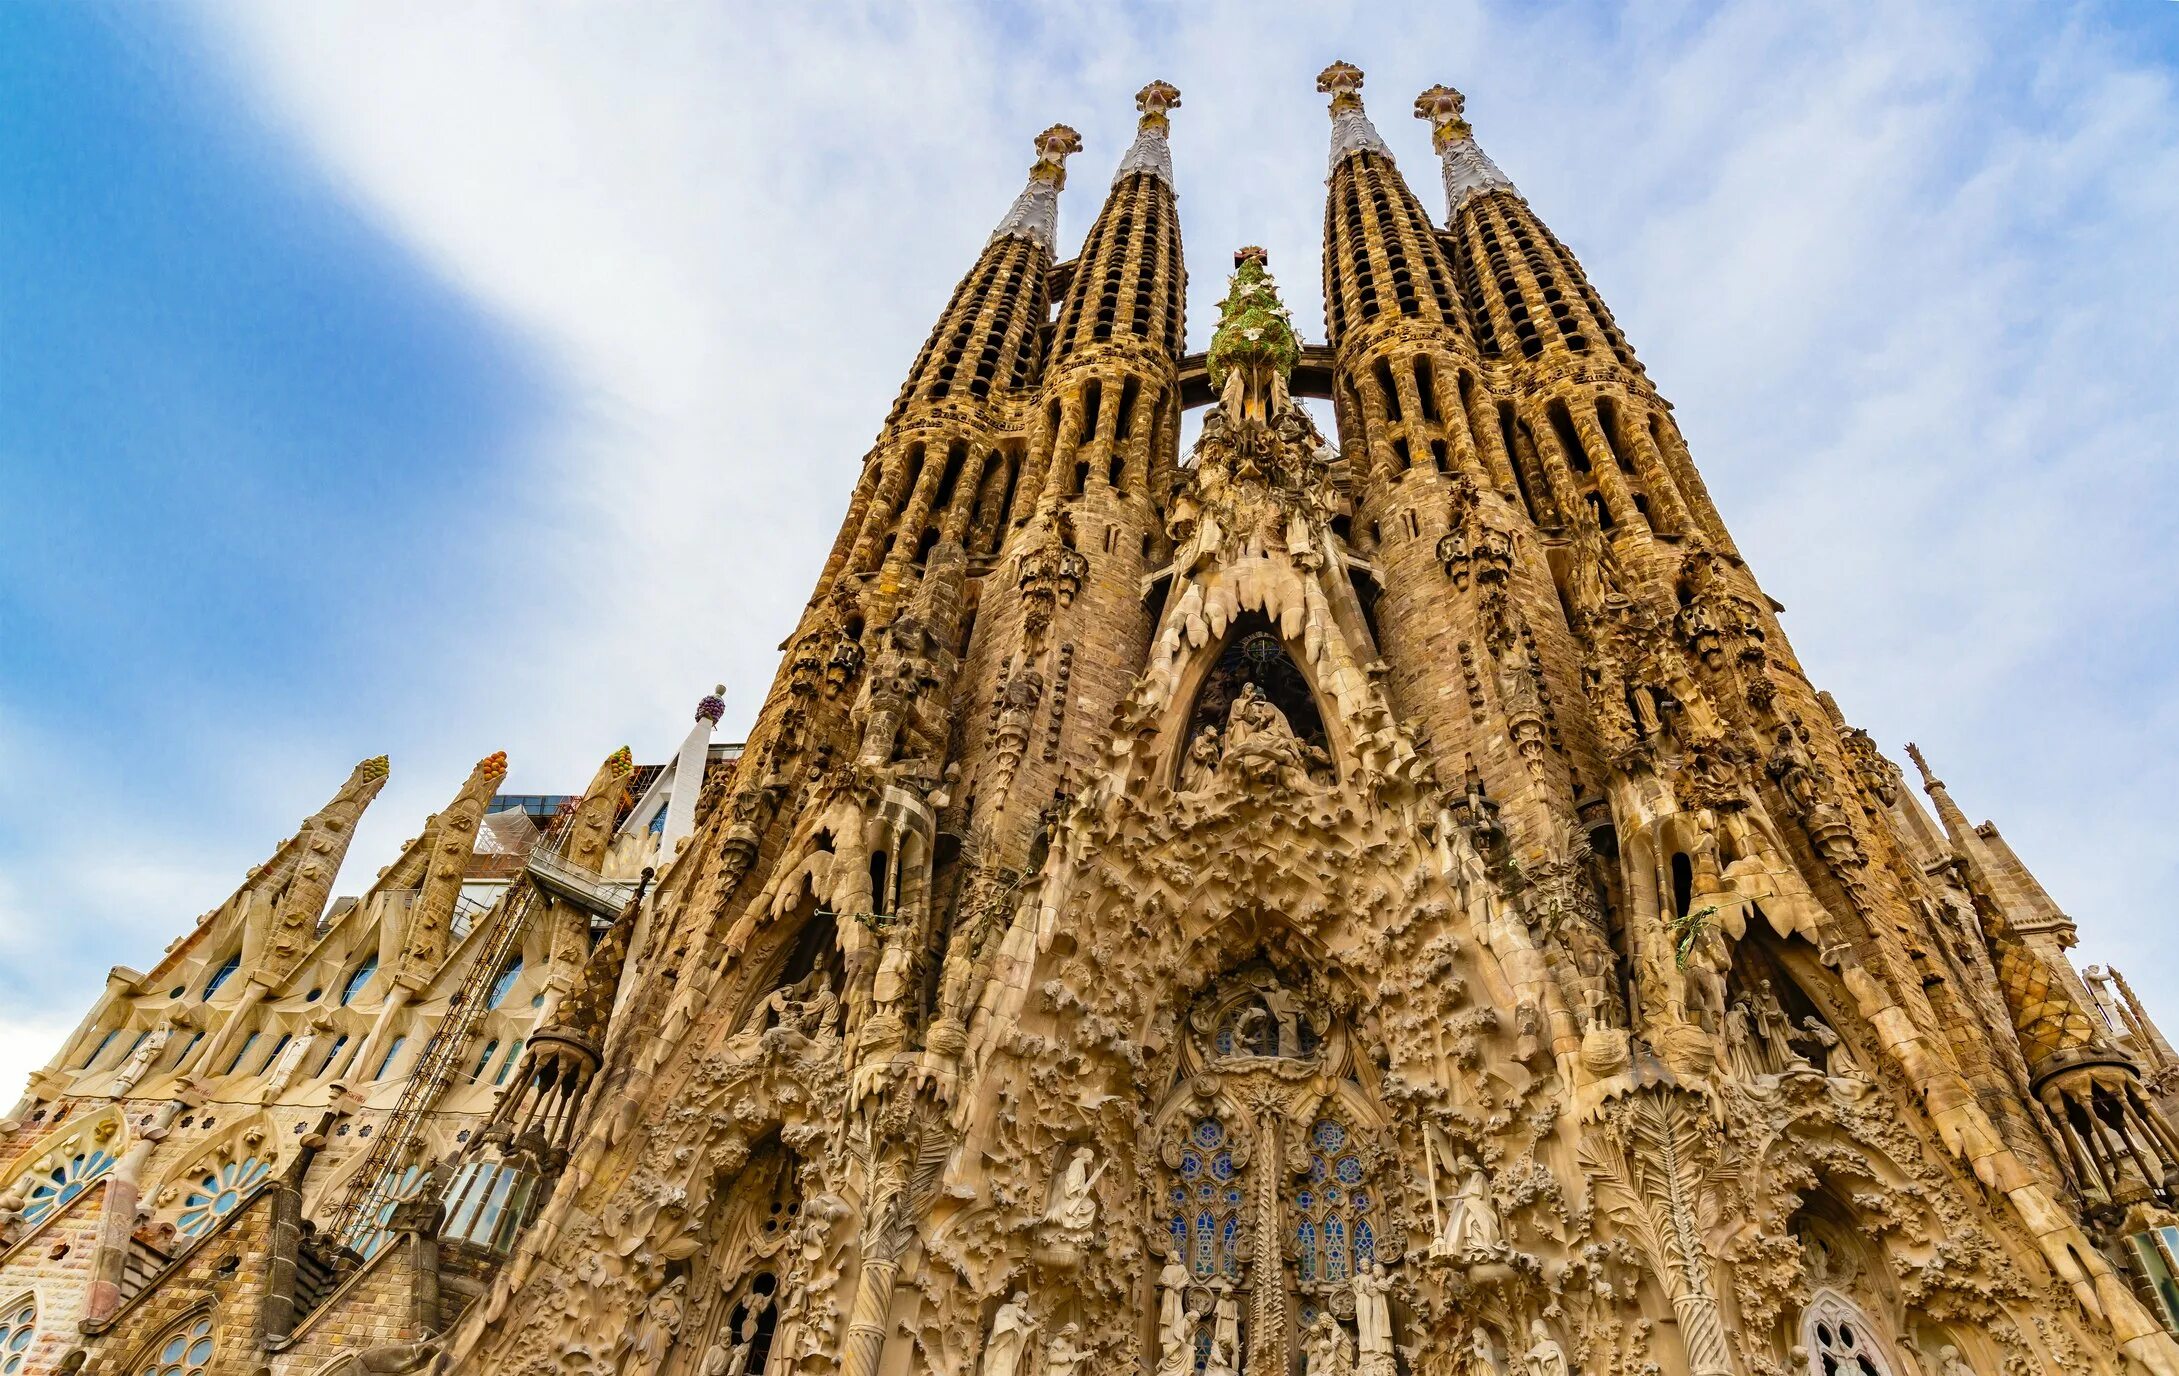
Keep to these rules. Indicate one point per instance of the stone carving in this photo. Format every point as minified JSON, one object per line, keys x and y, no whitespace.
{"x":1011,"y":1328}
{"x":1373,"y":1321}
{"x":1064,"y":1354}
{"x":147,"y":1052}
{"x":1544,"y":1356}
{"x":1471,"y":1221}
{"x":1175,"y":1323}
{"x":1074,"y":1202}
{"x":1328,"y":1349}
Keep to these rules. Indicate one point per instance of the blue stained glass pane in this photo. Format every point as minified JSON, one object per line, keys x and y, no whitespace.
{"x":1209,"y":1133}
{"x":1222,"y":1165}
{"x":1335,"y":1249}
{"x":1206,"y":1191}
{"x":1179,"y":1230}
{"x":1202,"y":1348}
{"x":1360,"y":1198}
{"x":1365,"y":1244}
{"x":1305,"y":1200}
{"x":1349,"y":1169}
{"x":1331,"y":1194}
{"x":1328,"y":1135}
{"x":1233,"y":1231}
{"x":1305,"y":1250}
{"x":1316,"y":1168}
{"x":1206,"y":1245}
{"x":1233,"y":1196}
{"x":1179,"y":1195}
{"x":1225,"y":1041}
{"x":1190,"y":1163}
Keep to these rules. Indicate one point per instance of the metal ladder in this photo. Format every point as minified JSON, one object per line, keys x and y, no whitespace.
{"x":375,"y":1186}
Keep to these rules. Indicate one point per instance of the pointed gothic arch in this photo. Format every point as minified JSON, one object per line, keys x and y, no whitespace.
{"x":63,"y":1166}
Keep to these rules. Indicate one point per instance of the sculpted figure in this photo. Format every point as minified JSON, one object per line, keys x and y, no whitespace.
{"x":1774,"y":1026}
{"x":1009,"y":1341}
{"x":1471,"y":1222}
{"x":1225,"y":1328}
{"x":147,"y":1051}
{"x":1373,"y":1317}
{"x":1201,"y":765}
{"x":1950,"y":1363}
{"x":1063,"y":1354}
{"x":1326,"y":1348}
{"x":1742,"y":1053}
{"x":1074,"y":1207}
{"x":645,"y":1345}
{"x":1174,"y":1321}
{"x":1544,"y":1357}
{"x":1482,"y":1357}
{"x":291,"y":1056}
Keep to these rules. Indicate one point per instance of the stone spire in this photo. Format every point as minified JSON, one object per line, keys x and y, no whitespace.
{"x":1150,"y":152}
{"x":1468,"y":169}
{"x":1351,"y":130}
{"x":450,"y":840}
{"x":688,"y":774}
{"x":321,"y":844}
{"x":1035,"y":213}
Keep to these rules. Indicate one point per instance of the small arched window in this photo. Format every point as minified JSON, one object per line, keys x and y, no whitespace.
{"x":386,"y":1063}
{"x":1204,"y":1202}
{"x":218,"y":1192}
{"x":1333,"y":1210}
{"x":224,"y":973}
{"x":1840,"y":1339}
{"x":358,"y":980}
{"x":187,"y":1351}
{"x":17,"y":1327}
{"x":504,"y":985}
{"x":99,"y":1050}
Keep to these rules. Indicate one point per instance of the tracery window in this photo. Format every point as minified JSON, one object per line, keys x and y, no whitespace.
{"x":17,"y":1327}
{"x":63,"y":1181}
{"x":218,"y":1192}
{"x":1204,"y":1202}
{"x":187,"y":1352}
{"x":1333,"y":1211}
{"x":1840,"y":1339}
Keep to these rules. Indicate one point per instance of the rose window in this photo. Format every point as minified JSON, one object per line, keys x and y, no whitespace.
{"x":218,"y":1192}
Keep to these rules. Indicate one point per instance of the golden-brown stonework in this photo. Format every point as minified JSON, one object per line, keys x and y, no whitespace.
{"x":1353,"y":905}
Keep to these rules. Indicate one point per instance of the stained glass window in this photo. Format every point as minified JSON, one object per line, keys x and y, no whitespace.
{"x":1840,"y":1340}
{"x":100,"y":1049}
{"x":17,"y":1327}
{"x":219,"y":1192}
{"x":386,"y":1062}
{"x":222,"y":975}
{"x":504,"y":985}
{"x":1332,"y":1209}
{"x":1203,"y":1214}
{"x":356,"y":981}
{"x":59,"y":1184}
{"x":187,"y":1353}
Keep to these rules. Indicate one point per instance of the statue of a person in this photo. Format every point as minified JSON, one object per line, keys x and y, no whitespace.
{"x":1742,"y":1053}
{"x":1074,"y":1205}
{"x":647,"y":1341}
{"x":1544,"y":1357}
{"x":1950,"y":1363}
{"x":1482,"y":1356}
{"x":1009,"y":1340}
{"x":145,"y":1053}
{"x":1225,"y":1326}
{"x":1471,"y":1220}
{"x":1774,"y":1026}
{"x":1372,"y":1313}
{"x":1326,"y":1348}
{"x":1063,"y":1354}
{"x":1174,"y":1321}
{"x":1201,"y":764}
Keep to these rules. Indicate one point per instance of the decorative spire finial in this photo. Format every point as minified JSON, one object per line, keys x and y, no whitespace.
{"x":1351,"y":130}
{"x":493,"y":766}
{"x":1468,"y":169}
{"x":1035,"y":213}
{"x":713,"y":706}
{"x":375,"y":767}
{"x":1929,"y":781}
{"x":1150,"y":152}
{"x":1254,"y":349}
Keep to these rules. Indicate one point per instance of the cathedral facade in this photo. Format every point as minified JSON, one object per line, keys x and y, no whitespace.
{"x":1358,"y":904}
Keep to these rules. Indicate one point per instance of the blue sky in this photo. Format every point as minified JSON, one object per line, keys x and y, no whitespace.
{"x":436,"y":380}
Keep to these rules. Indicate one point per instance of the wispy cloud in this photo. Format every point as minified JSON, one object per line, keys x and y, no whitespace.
{"x":1900,"y":268}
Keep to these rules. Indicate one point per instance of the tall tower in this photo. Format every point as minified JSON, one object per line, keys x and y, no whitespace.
{"x":1382,"y":904}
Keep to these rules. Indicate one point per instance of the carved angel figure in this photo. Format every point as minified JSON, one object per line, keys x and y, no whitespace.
{"x":1201,"y":764}
{"x":1373,"y":1315}
{"x":1482,"y":1356}
{"x":1063,"y":1354}
{"x":1074,"y":1205}
{"x":644,"y":1346}
{"x":1471,"y":1221}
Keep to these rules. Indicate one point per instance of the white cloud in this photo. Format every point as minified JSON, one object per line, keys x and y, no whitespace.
{"x":1901,"y":268}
